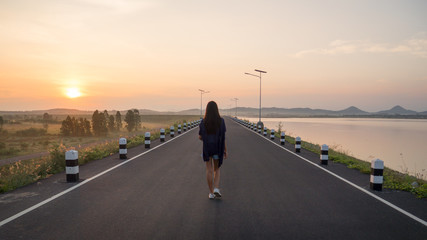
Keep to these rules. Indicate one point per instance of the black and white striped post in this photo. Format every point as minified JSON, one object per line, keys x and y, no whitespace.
{"x":179,"y":129}
{"x":72,"y":165}
{"x":282,"y":138}
{"x":172,"y":131}
{"x":185,"y":127}
{"x":162,"y":135}
{"x":324,"y":154}
{"x":259,"y":129}
{"x":265,"y":131}
{"x":272,"y":134}
{"x":377,"y":169}
{"x":123,"y":151}
{"x":297,"y":144}
{"x":147,"y":139}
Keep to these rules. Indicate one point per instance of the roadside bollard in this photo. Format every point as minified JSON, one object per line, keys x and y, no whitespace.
{"x":324,"y":154}
{"x":265,"y":131}
{"x":272,"y":134}
{"x":282,"y":138}
{"x":122,"y":148}
{"x":172,"y":131}
{"x":377,"y":169}
{"x":147,"y":139}
{"x":259,"y":129}
{"x":297,"y":144}
{"x":179,"y":129}
{"x":185,"y":127}
{"x":162,"y":135}
{"x":72,"y":165}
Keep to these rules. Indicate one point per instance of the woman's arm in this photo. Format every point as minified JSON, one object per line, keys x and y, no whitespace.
{"x":225,"y":150}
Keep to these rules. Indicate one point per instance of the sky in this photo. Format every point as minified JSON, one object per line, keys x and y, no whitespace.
{"x":117,"y":55}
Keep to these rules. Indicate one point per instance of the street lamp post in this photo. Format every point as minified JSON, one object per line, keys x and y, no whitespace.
{"x":201,"y":101}
{"x":235,"y":100}
{"x":260,"y":72}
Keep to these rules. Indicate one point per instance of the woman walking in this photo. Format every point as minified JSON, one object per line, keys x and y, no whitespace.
{"x":212,"y":133}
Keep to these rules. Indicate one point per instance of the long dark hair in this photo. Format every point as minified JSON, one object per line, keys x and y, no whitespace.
{"x":212,"y":118}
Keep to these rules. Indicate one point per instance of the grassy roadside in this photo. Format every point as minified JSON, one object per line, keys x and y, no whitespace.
{"x":392,"y":179}
{"x":14,"y":144}
{"x":25,"y":172}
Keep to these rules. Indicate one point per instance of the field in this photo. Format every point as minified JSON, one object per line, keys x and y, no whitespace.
{"x":13,"y":144}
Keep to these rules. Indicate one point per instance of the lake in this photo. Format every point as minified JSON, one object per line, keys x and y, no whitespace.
{"x":400,"y":143}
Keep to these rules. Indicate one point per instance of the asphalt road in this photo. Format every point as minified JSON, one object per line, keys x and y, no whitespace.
{"x":268,"y":193}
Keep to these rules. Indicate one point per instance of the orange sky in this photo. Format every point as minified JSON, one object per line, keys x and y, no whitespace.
{"x":157,"y":54}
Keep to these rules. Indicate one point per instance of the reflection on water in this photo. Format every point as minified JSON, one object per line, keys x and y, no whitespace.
{"x":400,"y":143}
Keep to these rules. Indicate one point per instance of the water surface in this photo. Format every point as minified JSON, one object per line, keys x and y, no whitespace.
{"x":400,"y":143}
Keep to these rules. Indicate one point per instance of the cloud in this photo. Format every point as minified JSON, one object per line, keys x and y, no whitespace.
{"x":415,"y":46}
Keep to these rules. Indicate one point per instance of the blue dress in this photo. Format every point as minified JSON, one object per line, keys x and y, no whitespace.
{"x":213,"y":144}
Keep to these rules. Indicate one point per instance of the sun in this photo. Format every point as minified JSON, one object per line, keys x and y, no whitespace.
{"x":73,"y":92}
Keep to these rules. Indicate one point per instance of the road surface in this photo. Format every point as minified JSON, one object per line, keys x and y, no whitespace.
{"x":268,"y":193}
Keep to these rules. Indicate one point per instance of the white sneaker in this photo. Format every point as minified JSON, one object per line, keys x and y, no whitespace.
{"x":211,"y":196}
{"x":217,"y":193}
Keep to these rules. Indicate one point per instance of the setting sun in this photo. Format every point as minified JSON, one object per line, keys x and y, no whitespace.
{"x":73,"y":92}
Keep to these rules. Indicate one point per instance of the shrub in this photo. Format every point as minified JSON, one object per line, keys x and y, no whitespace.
{"x":24,"y":145}
{"x":57,"y":158}
{"x":31,"y":132}
{"x":9,"y":151}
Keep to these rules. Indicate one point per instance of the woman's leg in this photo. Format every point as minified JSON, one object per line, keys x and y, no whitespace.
{"x":209,"y":174}
{"x":217,"y":174}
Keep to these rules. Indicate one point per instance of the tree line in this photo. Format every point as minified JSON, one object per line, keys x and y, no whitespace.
{"x":102,"y":123}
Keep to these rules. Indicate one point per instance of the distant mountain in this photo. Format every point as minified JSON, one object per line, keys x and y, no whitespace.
{"x":298,"y":112}
{"x":193,"y":111}
{"x":308,"y":112}
{"x":352,"y":111}
{"x":55,"y":111}
{"x":397,"y":110}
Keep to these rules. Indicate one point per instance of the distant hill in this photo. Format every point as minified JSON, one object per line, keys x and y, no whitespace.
{"x":193,"y":111}
{"x":55,"y":111}
{"x":395,"y":112}
{"x":352,"y":111}
{"x":297,"y":112}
